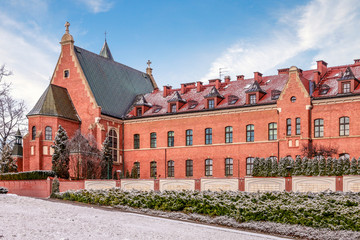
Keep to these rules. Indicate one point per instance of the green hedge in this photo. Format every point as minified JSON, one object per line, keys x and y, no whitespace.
{"x":333,"y":210}
{"x":31,"y":175}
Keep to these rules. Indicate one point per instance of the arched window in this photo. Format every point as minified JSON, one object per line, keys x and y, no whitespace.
{"x":208,"y":167}
{"x":171,"y":168}
{"x":48,"y":133}
{"x":189,"y":168}
{"x":33,"y":133}
{"x":170,"y":138}
{"x":228,"y":166}
{"x":113,"y":138}
{"x":344,"y":126}
{"x":249,"y":165}
{"x":153,"y":169}
{"x":137,"y":168}
{"x":228,"y":134}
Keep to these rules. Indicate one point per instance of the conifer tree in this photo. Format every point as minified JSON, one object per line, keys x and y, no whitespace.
{"x":134,"y":172}
{"x":256,"y":168}
{"x":334,"y":166}
{"x":298,"y":166}
{"x":339,"y":167}
{"x":322,"y":166}
{"x":304,"y":165}
{"x":346,"y":166}
{"x":329,"y":168}
{"x":315,"y":167}
{"x":7,"y":163}
{"x":358,"y":166}
{"x":283,"y":164}
{"x":309,"y":168}
{"x":274,"y":168}
{"x":353,"y":167}
{"x":60,"y":158}
{"x":268,"y":167}
{"x":106,"y":160}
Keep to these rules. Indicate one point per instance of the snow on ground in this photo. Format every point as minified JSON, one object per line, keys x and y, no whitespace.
{"x":30,"y":218}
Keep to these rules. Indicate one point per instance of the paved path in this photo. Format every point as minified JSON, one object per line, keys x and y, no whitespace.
{"x":29,"y":218}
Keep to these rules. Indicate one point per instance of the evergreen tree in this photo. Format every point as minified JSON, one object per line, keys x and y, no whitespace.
{"x":134,"y":172}
{"x":334,"y":167}
{"x":322,"y":166}
{"x":339,"y":167}
{"x":315,"y":167}
{"x":329,"y":167}
{"x":358,"y":166}
{"x":274,"y":168}
{"x":309,"y":168}
{"x":115,"y":177}
{"x":353,"y":167}
{"x":106,"y":160}
{"x":256,"y":167}
{"x":346,"y":166}
{"x":298,"y":167}
{"x":283,"y":164}
{"x":7,"y":163}
{"x":304,"y":165}
{"x":268,"y":167}
{"x":60,"y":158}
{"x":127,"y":175}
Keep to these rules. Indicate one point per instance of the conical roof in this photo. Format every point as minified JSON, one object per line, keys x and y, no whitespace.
{"x":105,"y":52}
{"x":213,"y":93}
{"x":255,"y":87}
{"x":55,"y":101}
{"x":177,"y":98}
{"x":18,"y":133}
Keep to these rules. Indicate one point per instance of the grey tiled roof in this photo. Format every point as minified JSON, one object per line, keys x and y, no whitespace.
{"x":214,"y":93}
{"x":255,"y":87}
{"x":114,"y":85}
{"x":105,"y":52}
{"x":176,"y":98}
{"x":55,"y":101}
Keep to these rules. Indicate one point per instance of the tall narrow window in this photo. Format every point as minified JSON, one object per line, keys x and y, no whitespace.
{"x":66,"y":73}
{"x":136,"y":141}
{"x":208,"y":167}
{"x":189,"y":168}
{"x":298,"y":126}
{"x":137,"y":169}
{"x":139,"y":112}
{"x":249,"y":165}
{"x":33,"y":133}
{"x":153,"y":140}
{"x":252,"y":99}
{"x":288,"y":127}
{"x":272,"y":131}
{"x":228,"y":134}
{"x":170,"y":138}
{"x":211,"y":103}
{"x":250,"y":133}
{"x":48,"y":133}
{"x":208,"y":136}
{"x":228,"y":167}
{"x":171,"y":168}
{"x":345,"y":87}
{"x":344,"y":126}
{"x":113,"y":138}
{"x":189,"y":137}
{"x":319,"y":127}
{"x":153,"y":169}
{"x":173,"y":108}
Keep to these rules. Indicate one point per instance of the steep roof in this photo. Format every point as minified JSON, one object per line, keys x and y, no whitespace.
{"x":105,"y":52}
{"x":55,"y":101}
{"x":114,"y":85}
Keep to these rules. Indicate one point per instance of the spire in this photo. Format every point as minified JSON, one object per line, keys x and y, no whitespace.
{"x":67,"y":38}
{"x":105,"y":51}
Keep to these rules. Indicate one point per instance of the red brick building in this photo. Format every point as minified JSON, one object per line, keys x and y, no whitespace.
{"x":198,"y":130}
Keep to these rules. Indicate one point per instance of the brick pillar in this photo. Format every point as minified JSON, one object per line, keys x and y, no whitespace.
{"x":156,"y":185}
{"x":288,"y":184}
{"x":197,"y":185}
{"x":339,"y":186}
{"x":242,"y":184}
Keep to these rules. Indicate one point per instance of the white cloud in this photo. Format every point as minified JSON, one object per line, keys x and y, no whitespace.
{"x":97,"y":6}
{"x":321,"y":30}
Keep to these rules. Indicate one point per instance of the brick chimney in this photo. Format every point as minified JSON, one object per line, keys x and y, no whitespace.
{"x":183,"y":88}
{"x":227,"y":79}
{"x":283,"y":71}
{"x":199,"y":86}
{"x":317,"y":77}
{"x":258,"y":77}
{"x":167,"y":90}
{"x":217,"y":83}
{"x":357,"y":61}
{"x":321,"y":67}
{"x":240,"y":77}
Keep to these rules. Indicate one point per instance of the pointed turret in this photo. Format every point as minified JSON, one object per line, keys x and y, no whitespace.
{"x":105,"y":51}
{"x":17,"y":149}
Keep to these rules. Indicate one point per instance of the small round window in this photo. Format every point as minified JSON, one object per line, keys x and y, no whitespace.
{"x":293,"y":99}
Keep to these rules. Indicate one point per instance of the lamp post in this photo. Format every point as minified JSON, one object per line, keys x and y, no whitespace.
{"x":288,"y":168}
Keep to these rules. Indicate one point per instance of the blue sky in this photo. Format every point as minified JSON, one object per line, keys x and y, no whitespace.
{"x":186,"y":40}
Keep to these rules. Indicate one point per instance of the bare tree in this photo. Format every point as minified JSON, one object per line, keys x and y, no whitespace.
{"x":318,"y":150}
{"x":84,"y":156}
{"x":11,"y":110}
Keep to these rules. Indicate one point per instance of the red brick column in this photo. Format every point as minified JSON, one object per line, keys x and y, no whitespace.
{"x":197,"y":185}
{"x":156,"y":184}
{"x":288,"y":184}
{"x":339,"y":183}
{"x":242,"y":184}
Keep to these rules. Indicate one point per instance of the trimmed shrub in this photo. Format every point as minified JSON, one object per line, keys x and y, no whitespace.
{"x":3,"y":190}
{"x":31,"y":175}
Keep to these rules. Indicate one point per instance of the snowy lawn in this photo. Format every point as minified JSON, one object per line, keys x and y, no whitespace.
{"x":322,"y":215}
{"x":30,"y":218}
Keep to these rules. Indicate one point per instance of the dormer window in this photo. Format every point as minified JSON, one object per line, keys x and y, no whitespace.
{"x":275,"y":94}
{"x":252,"y":99}
{"x":139,"y":112}
{"x":324,"y":89}
{"x":66,"y":73}
{"x":173,"y":108}
{"x":211,"y":103}
{"x":345,"y":87}
{"x":232,"y":99}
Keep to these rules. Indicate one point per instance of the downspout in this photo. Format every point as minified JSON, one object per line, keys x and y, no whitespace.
{"x":122,"y":145}
{"x":165,"y":164}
